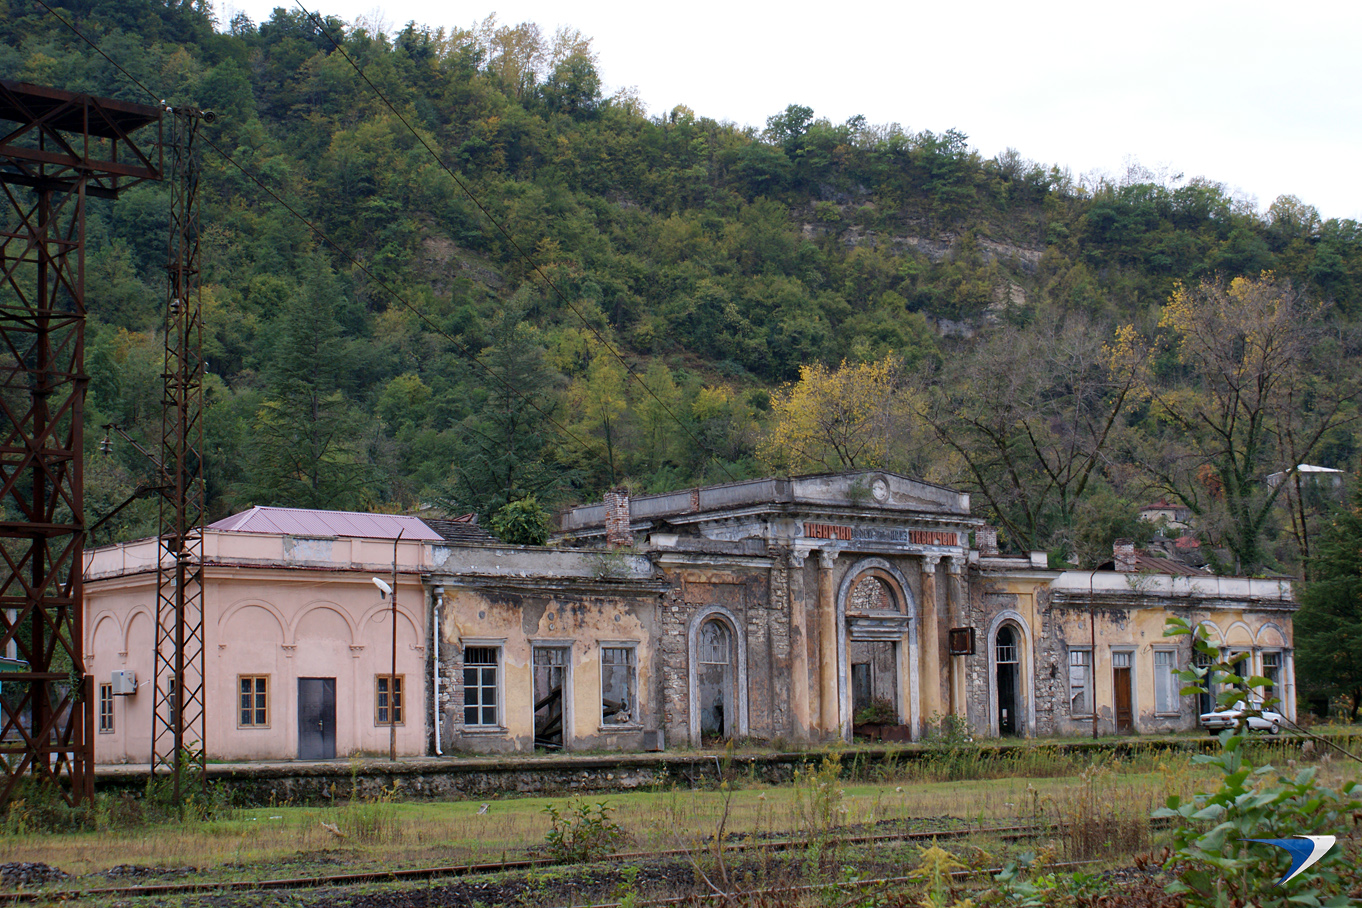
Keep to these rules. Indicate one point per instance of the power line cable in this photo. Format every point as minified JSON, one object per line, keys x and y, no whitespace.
{"x":629,"y":370}
{"x":463,"y":348}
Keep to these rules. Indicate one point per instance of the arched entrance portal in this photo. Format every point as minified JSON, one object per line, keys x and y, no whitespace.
{"x":1011,"y":695}
{"x":874,"y":662}
{"x":877,"y":647}
{"x":718,"y":676}
{"x":1006,"y":667}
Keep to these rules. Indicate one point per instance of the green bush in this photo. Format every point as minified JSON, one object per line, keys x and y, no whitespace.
{"x":583,"y":833}
{"x":1215,"y":862}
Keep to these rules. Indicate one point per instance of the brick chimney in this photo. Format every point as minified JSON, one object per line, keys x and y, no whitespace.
{"x":986,"y":540}
{"x":1123,"y":553}
{"x":617,"y":533}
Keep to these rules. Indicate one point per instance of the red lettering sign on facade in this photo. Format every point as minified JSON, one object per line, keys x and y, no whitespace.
{"x":826,"y":531}
{"x":931,"y":537}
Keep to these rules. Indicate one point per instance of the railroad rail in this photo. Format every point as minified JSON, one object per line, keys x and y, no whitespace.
{"x":416,"y":874}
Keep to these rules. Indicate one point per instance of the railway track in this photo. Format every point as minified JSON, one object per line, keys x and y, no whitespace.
{"x":418,"y":874}
{"x":724,"y":898}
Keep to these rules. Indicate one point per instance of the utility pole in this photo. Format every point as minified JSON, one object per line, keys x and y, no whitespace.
{"x":179,"y":724}
{"x":392,"y":677}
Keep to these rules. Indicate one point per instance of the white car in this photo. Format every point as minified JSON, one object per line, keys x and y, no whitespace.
{"x":1230,"y":716}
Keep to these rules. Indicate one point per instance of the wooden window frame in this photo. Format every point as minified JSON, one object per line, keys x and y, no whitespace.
{"x":393,"y":699}
{"x":1174,"y":684}
{"x":252,"y":721}
{"x":1089,"y":687}
{"x":106,"y":708}
{"x":631,"y":668}
{"x":498,"y":706}
{"x":1275,"y":688}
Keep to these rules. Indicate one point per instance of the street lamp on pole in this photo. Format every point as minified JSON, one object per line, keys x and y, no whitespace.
{"x":390,"y":593}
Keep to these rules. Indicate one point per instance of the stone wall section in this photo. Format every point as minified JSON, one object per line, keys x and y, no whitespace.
{"x":1051,"y":676}
{"x":672,"y":681}
{"x":979,"y":611}
{"x":447,"y":708}
{"x":778,"y":622}
{"x":759,"y":606}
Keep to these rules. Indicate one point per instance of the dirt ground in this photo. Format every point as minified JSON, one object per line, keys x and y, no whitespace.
{"x":694,"y":882}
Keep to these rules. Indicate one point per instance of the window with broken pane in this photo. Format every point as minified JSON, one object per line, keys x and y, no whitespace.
{"x":618,"y":685}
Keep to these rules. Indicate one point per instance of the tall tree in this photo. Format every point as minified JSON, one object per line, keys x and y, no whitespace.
{"x":503,"y":457}
{"x":1328,"y":627}
{"x":307,"y":449}
{"x":1030,"y":415}
{"x":854,"y":417}
{"x":601,"y":417}
{"x":1256,"y":381}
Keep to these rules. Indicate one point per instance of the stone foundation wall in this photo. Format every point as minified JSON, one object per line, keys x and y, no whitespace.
{"x":491,"y":778}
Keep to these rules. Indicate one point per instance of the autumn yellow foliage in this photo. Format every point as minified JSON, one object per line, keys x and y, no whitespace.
{"x":858,"y":416}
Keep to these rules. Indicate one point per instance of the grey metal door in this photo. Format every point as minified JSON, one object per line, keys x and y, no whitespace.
{"x":316,"y":718}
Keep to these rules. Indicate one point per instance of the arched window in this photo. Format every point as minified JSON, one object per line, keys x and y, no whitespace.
{"x":1011,"y":697}
{"x":1007,"y":681}
{"x":714,"y":643}
{"x":872,"y":594}
{"x":1006,"y":649}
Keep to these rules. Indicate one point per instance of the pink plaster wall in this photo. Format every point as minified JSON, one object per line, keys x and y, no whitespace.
{"x":279,"y":606}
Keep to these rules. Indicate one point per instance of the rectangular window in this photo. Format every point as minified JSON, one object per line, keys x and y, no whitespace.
{"x":1166,"y":697}
{"x":1272,"y":671}
{"x":480,"y":701}
{"x":1206,"y":699}
{"x":106,"y":703}
{"x":619,"y":681}
{"x":1242,"y":667}
{"x":1080,"y":682}
{"x":254,"y":694}
{"x":388,"y":699}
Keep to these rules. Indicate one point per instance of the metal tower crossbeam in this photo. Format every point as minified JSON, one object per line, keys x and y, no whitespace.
{"x":60,"y":148}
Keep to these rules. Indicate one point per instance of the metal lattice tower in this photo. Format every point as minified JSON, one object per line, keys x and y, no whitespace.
{"x":56,"y":150}
{"x":178,"y":726}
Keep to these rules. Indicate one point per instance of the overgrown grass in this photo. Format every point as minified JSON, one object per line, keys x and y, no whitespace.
{"x":1099,"y":803}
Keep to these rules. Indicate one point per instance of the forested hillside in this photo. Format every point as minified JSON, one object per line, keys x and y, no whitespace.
{"x":538,"y":292}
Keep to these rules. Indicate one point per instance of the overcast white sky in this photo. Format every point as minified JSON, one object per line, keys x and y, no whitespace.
{"x":1263,"y":97}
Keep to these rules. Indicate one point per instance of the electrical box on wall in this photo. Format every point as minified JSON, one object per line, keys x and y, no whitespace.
{"x":124,"y":683}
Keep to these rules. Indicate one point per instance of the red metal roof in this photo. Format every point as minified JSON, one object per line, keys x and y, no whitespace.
{"x":304,"y":522}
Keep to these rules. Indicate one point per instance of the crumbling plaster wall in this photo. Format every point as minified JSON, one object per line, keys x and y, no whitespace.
{"x":758,"y":606}
{"x":519,"y":620}
{"x":1023,"y":602}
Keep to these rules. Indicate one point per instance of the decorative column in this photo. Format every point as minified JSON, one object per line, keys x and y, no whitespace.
{"x":829,"y":713}
{"x":1288,"y":684}
{"x":956,"y":603}
{"x":931,"y":641}
{"x":801,"y":652}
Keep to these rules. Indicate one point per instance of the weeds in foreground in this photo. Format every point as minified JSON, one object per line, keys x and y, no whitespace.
{"x":1213,"y":855}
{"x":585,"y":832}
{"x":1101,"y":818}
{"x":935,"y":866}
{"x":818,"y":797}
{"x":371,"y":820}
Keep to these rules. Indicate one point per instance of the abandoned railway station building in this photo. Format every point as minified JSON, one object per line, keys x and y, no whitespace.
{"x":783,"y":609}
